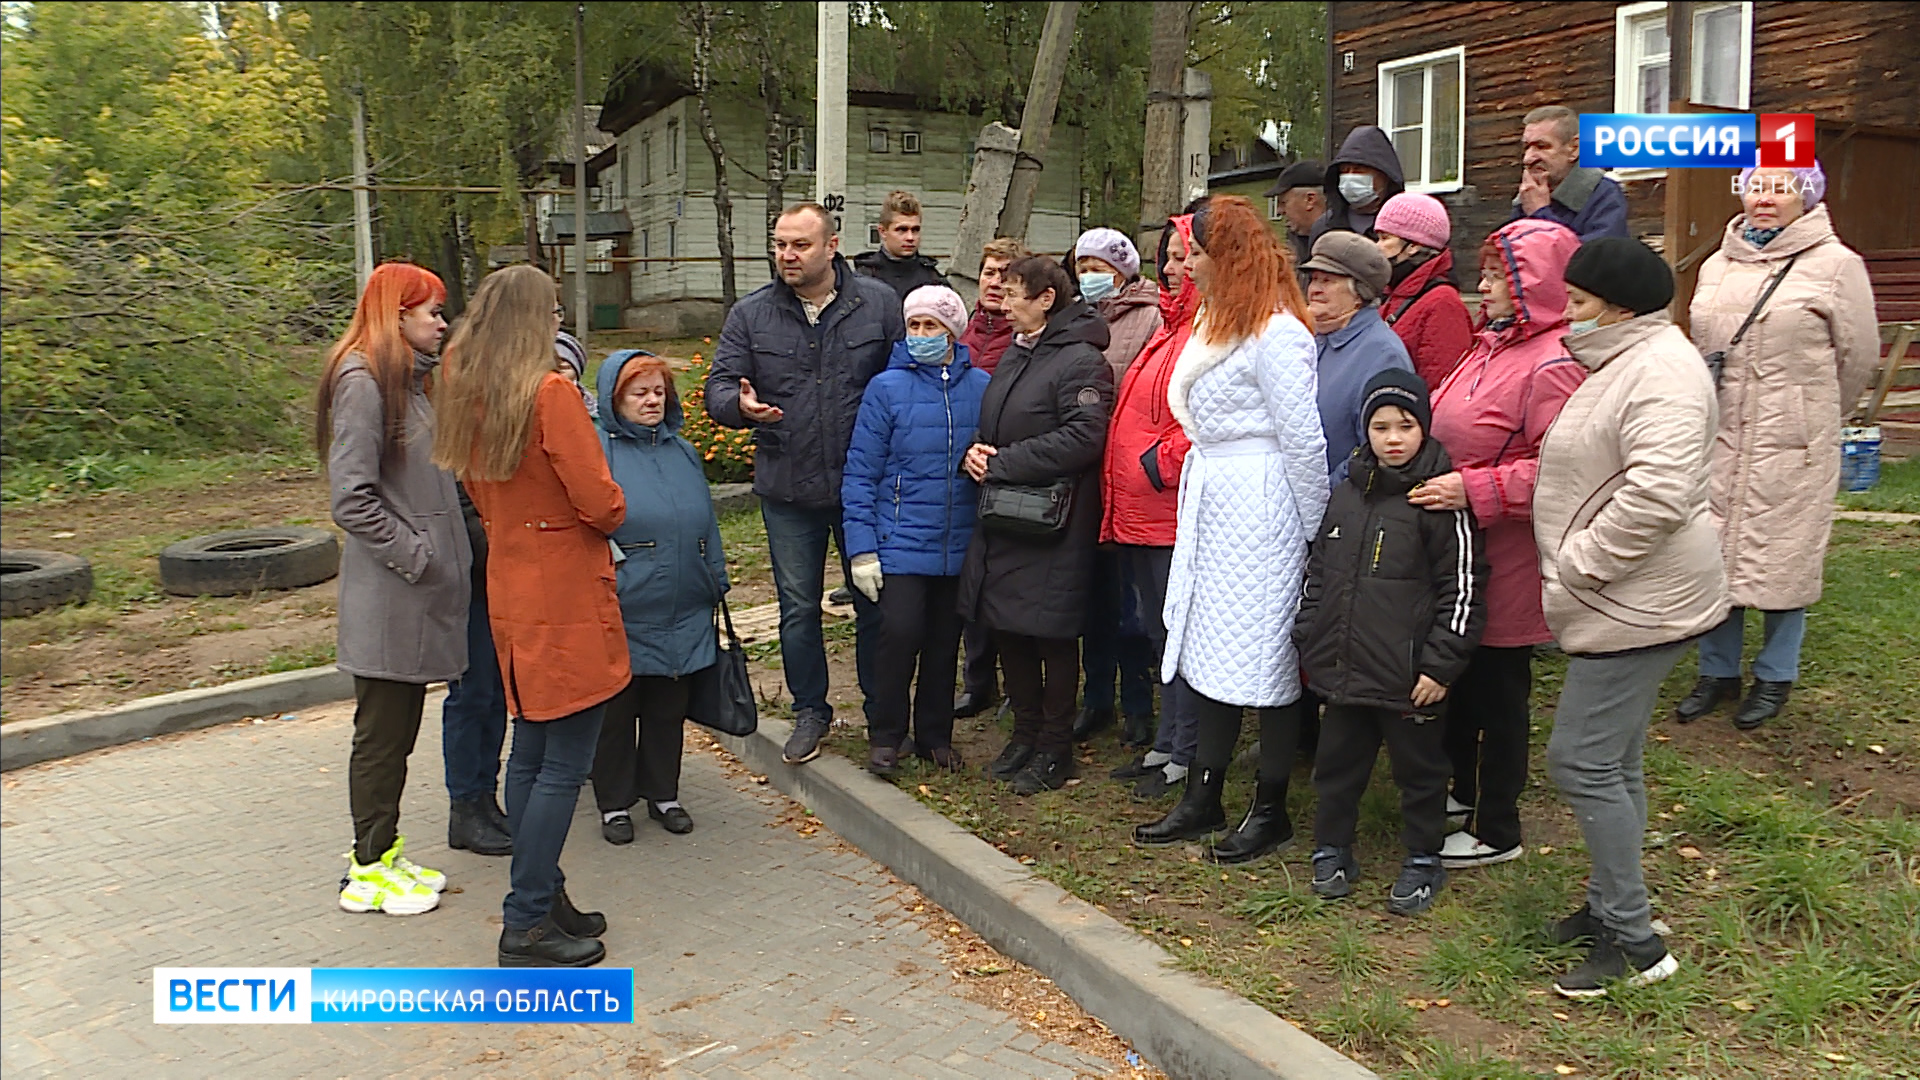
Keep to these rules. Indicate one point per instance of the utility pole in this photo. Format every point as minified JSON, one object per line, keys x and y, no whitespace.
{"x":1196,"y":135}
{"x":830,"y":139}
{"x":1036,"y":118}
{"x":1160,"y":167}
{"x":580,"y":305}
{"x":362,"y":197}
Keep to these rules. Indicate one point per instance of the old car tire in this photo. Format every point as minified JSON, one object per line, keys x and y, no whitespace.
{"x":33,"y":581}
{"x":249,"y":560}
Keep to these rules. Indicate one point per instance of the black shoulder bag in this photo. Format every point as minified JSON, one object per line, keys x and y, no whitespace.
{"x":1717,"y":359}
{"x":721,"y":696}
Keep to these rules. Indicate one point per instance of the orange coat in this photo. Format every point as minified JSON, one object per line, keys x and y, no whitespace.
{"x":550,"y":582}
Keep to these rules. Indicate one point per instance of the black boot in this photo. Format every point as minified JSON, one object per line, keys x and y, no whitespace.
{"x":1763,"y":703}
{"x":572,"y":921}
{"x":1139,"y":730}
{"x":547,"y":945}
{"x":1091,"y":722}
{"x":1707,"y":694}
{"x":1197,"y":816}
{"x":498,"y":816}
{"x":1265,"y":830}
{"x":1013,"y":757}
{"x":471,"y":827}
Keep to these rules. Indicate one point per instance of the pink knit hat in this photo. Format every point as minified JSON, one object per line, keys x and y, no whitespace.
{"x":1419,"y":219}
{"x":940,"y":302}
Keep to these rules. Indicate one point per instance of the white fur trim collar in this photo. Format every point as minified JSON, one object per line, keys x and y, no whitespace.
{"x":1196,"y":359}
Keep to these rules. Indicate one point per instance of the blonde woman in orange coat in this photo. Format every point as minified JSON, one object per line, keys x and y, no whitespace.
{"x":519,"y":437}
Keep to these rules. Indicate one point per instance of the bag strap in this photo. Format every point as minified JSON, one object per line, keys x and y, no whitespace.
{"x":1778,"y":277}
{"x":721,"y":609}
{"x":1435,"y":283}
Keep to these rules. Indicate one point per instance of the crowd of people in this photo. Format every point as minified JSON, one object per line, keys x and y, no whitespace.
{"x":1289,"y":472}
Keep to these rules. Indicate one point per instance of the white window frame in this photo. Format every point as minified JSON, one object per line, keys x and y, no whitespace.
{"x":909,"y":142}
{"x":1383,"y":107}
{"x":646,"y":159}
{"x":1625,"y":68}
{"x":646,"y":251}
{"x":880,"y":145}
{"x":673,"y":148}
{"x":1273,"y":208}
{"x":1745,"y":100}
{"x":799,"y":155}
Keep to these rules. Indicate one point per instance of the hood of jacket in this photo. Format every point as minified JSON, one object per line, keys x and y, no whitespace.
{"x":1373,"y":476}
{"x":1137,"y":293}
{"x":1177,"y":307}
{"x":1077,"y":322}
{"x":956,"y":366}
{"x":1600,"y":346}
{"x":1809,"y":230}
{"x":1365,"y":145}
{"x":618,"y":426}
{"x":1533,"y":259}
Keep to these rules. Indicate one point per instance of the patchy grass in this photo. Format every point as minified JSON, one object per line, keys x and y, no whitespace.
{"x":27,"y":482}
{"x":1785,"y":861}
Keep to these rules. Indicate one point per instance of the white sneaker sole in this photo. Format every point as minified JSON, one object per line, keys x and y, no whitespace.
{"x":1468,"y":862}
{"x":1659,"y":972}
{"x":393,"y":905}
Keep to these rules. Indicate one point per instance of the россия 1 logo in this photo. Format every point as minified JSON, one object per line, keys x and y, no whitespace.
{"x":1696,"y":140}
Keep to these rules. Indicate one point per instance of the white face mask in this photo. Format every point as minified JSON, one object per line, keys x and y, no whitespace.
{"x":1356,"y":188}
{"x":1581,"y":326}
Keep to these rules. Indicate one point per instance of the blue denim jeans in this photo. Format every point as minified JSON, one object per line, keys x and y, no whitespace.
{"x":1779,"y":659}
{"x":797,"y":540}
{"x":473,"y":719}
{"x":549,"y":762}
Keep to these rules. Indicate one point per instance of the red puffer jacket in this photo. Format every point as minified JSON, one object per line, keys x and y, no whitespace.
{"x":1425,"y":310}
{"x":1140,"y":480}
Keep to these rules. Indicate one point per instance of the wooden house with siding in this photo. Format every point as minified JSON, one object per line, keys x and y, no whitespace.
{"x":1450,"y":83}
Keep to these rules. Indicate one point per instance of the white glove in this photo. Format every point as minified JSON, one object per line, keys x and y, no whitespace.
{"x":866,"y":576}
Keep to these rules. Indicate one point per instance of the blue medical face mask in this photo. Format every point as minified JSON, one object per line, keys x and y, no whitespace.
{"x":925,"y":350}
{"x":1095,"y":286}
{"x":1581,"y":326}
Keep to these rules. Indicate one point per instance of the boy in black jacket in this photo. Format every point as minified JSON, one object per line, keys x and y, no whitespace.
{"x":1395,"y":603}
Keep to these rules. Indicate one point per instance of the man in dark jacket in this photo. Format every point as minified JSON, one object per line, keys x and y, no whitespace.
{"x":898,"y":261}
{"x":793,"y":361}
{"x":1394,"y":605}
{"x":1301,"y":191}
{"x":1359,"y":181}
{"x":1554,"y":186}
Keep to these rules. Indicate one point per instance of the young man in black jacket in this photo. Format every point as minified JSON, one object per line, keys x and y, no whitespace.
{"x":1394,"y":605}
{"x":897,"y":261}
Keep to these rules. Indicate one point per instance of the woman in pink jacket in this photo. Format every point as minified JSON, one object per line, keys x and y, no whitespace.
{"x":1491,"y":414}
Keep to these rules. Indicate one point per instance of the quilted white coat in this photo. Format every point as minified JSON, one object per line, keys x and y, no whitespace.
{"x":1251,"y":496}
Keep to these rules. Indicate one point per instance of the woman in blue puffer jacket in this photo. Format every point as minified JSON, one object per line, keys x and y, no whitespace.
{"x":670,"y":573}
{"x":909,"y":513}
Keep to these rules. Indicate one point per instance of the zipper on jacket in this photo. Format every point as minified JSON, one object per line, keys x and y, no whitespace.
{"x":1379,"y":539}
{"x":946,"y":532}
{"x":897,"y":477}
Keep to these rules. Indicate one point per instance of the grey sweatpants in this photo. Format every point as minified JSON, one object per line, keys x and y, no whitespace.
{"x":1594,"y":757}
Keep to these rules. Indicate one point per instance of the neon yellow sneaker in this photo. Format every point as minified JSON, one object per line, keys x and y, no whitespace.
{"x":380,"y":887}
{"x":432,"y":879}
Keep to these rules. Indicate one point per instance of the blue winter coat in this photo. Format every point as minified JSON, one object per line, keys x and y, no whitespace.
{"x":1349,"y":357}
{"x":674,"y":570}
{"x":903,"y":493}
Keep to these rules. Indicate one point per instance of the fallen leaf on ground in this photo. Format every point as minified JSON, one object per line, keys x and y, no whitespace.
{"x":1187,"y":941}
{"x":1565,"y":1070}
{"x":1741,"y":1005}
{"x":924,"y":790}
{"x":1561,"y":1016}
{"x":1544,"y":849}
{"x":1690,"y":852}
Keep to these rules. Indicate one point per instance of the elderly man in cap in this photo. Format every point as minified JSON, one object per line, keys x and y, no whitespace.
{"x":1348,"y":276}
{"x":1301,"y":203}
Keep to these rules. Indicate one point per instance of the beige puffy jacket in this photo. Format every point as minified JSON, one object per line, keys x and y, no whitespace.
{"x":1788,"y":386}
{"x":1628,"y":554}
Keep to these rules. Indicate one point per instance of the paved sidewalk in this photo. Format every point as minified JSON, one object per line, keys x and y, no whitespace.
{"x":758,"y":951}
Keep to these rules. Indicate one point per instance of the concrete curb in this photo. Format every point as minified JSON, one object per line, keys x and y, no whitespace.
{"x":1193,"y":1030}
{"x":30,"y":742}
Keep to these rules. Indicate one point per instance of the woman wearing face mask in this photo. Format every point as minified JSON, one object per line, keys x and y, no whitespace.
{"x":1422,"y":303}
{"x":1110,"y":280}
{"x":1355,"y":344}
{"x":1631,"y":572}
{"x":1043,"y":426}
{"x":1492,"y":414}
{"x":1140,"y":500}
{"x":1251,"y":495}
{"x":908,"y":509}
{"x":1788,"y":385}
{"x":671,"y":574}
{"x":403,"y":570}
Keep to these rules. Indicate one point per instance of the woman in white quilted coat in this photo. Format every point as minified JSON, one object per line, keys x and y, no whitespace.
{"x":1251,"y":496}
{"x":1788,"y":385}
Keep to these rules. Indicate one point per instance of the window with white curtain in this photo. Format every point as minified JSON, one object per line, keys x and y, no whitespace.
{"x":1722,"y":54}
{"x":1421,"y":109}
{"x":1721,"y":71}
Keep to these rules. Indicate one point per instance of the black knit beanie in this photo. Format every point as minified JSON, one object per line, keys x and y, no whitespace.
{"x":1396,"y":386}
{"x":1623,"y":272}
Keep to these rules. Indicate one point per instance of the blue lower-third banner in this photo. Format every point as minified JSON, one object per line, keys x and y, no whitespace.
{"x":392,"y":995}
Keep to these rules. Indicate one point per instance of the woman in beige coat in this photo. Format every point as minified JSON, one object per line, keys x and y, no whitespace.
{"x":1788,"y":385}
{"x":1629,"y":575}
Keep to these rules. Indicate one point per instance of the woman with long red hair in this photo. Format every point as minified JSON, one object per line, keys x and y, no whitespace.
{"x":403,"y":572}
{"x":1252,"y":491}
{"x":518,"y":434}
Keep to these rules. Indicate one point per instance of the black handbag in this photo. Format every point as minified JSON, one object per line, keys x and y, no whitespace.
{"x":721,"y":696}
{"x":1030,"y":510}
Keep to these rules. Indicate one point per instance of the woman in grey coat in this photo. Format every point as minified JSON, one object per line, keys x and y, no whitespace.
{"x":404,"y":585}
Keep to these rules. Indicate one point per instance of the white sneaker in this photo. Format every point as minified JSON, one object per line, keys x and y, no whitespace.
{"x":380,"y":887}
{"x":1457,"y":812}
{"x":432,"y":879}
{"x":1463,"y":851}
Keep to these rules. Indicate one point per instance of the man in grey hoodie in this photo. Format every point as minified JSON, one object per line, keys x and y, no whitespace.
{"x":1358,"y":182}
